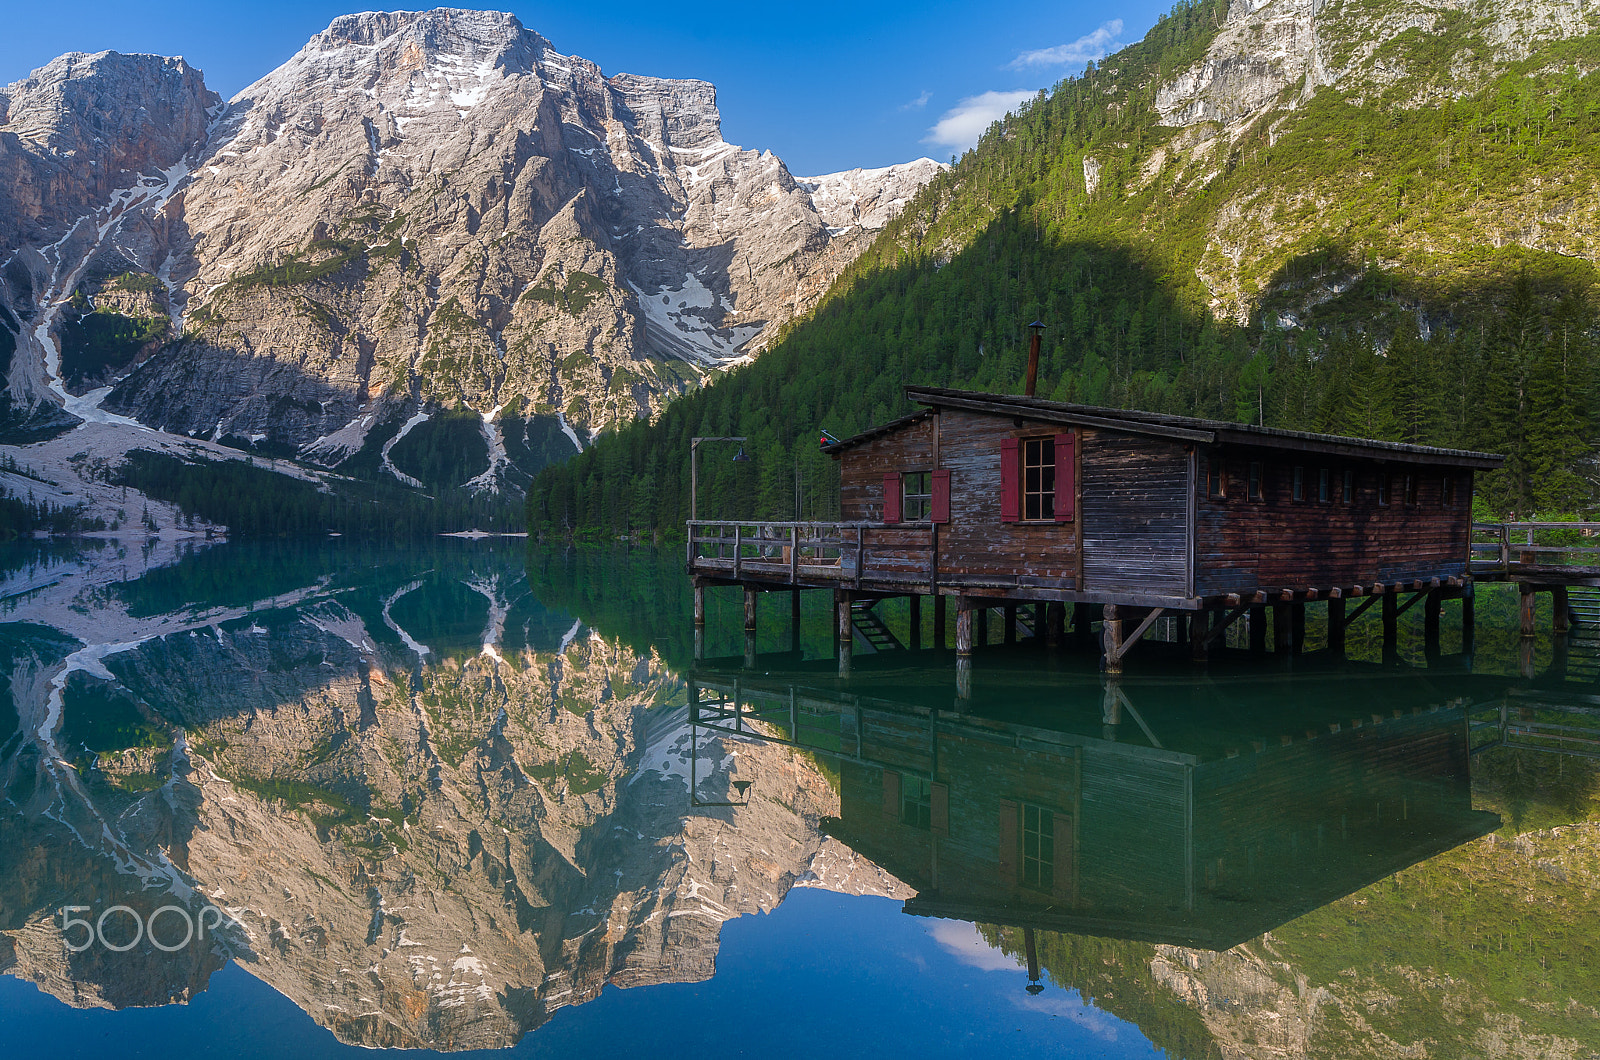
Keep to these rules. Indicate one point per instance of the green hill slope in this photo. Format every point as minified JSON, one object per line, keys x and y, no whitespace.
{"x":1375,"y":217}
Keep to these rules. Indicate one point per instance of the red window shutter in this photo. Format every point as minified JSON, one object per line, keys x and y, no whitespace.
{"x":891,"y":793}
{"x":1008,"y":842}
{"x":1066,"y":476}
{"x":1010,"y":480}
{"x":941,"y":497}
{"x":891,"y":498}
{"x":939,"y":806}
{"x":1066,"y":884}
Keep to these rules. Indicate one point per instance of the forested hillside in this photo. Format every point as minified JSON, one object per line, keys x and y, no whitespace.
{"x":1407,"y":256}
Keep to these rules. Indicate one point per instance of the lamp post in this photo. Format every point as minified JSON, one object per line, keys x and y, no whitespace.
{"x":694,"y":466}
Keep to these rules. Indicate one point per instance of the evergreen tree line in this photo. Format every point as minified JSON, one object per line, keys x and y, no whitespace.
{"x":24,"y":516}
{"x":1486,"y":349}
{"x":253,"y":501}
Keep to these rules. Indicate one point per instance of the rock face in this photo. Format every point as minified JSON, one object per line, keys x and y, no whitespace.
{"x":424,"y":211}
{"x":1272,"y":53}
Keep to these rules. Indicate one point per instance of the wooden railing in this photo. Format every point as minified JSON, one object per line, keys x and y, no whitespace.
{"x":1529,"y":543}
{"x":842,"y":552}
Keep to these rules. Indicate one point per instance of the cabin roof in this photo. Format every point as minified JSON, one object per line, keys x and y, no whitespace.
{"x":1183,"y":428}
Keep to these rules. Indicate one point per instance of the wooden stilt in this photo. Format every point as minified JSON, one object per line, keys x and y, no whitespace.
{"x":1527,"y":608}
{"x":1469,"y":619}
{"x":1041,"y":618}
{"x":1198,"y":629}
{"x":938,"y":621}
{"x":1111,"y":639}
{"x":1282,"y":629}
{"x":1258,"y":629}
{"x":915,"y":604}
{"x":963,"y":668}
{"x":964,"y":632}
{"x":700,"y":606}
{"x":1009,"y":617}
{"x":1336,"y":626}
{"x":749,"y":649}
{"x":749,"y":609}
{"x":1391,"y":622}
{"x":1560,"y":615}
{"x":980,"y":631}
{"x":1055,"y":624}
{"x":1082,"y":618}
{"x":1297,"y":619}
{"x":1434,"y":604}
{"x":794,"y":620}
{"x":846,"y":632}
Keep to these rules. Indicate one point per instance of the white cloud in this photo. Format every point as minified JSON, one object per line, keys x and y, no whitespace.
{"x":961,"y":127}
{"x":1096,"y":45}
{"x":962,"y":941}
{"x":918,"y":103}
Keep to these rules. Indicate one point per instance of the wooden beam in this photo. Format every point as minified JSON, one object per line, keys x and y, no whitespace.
{"x":1409,"y":604}
{"x":1140,"y":629}
{"x":1368,"y":602}
{"x":1222,"y":627}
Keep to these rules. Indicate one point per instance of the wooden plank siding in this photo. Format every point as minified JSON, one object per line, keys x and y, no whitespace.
{"x":1135,"y":504}
{"x":975,"y":545}
{"x":1243,"y":545}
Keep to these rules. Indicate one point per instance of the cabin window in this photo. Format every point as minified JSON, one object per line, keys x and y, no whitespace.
{"x":1411,"y":489}
{"x":916,"y":802}
{"x":1347,"y":488}
{"x":1297,"y":490}
{"x":1038,"y":848}
{"x":1216,"y":479}
{"x":1038,"y":478}
{"x":1257,"y":489}
{"x":1324,"y":486}
{"x":1383,"y":490}
{"x":1448,"y":492}
{"x":916,"y":496}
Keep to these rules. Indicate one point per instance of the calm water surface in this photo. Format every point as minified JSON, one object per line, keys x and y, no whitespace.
{"x":296,"y":800}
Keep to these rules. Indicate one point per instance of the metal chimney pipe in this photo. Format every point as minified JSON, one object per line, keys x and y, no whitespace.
{"x":1033,"y":357}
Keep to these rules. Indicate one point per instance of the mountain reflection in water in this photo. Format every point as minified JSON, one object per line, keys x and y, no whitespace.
{"x":443,"y":794}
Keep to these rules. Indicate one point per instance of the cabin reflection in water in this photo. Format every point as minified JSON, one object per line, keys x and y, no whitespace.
{"x":1162,"y":813}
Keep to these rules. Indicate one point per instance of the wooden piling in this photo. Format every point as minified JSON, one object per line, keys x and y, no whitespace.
{"x":980,"y":631}
{"x":1082,"y":618}
{"x":914,"y":602}
{"x":938,"y":621}
{"x":1258,"y":629}
{"x":794,"y":620}
{"x":1111,"y":639}
{"x":1430,"y":622}
{"x":1055,"y":624}
{"x":1560,"y":614}
{"x":1469,"y":619}
{"x":1527,"y":608}
{"x":846,"y":631}
{"x":700,"y":607}
{"x":1282,"y":629}
{"x":1391,"y":621}
{"x":1336,"y":626}
{"x":964,"y":631}
{"x":1009,"y":617}
{"x":1297,"y":625}
{"x":749,"y":609}
{"x":1198,"y":630}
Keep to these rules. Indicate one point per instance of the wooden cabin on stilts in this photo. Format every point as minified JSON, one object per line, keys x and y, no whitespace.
{"x":1057,"y":513}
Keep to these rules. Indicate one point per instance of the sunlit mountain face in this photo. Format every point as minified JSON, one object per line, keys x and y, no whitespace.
{"x":443,"y":798}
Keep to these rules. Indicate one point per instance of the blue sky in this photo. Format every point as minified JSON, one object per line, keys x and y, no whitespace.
{"x":826,"y":86}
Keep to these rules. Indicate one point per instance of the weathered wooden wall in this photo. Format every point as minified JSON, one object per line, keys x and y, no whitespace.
{"x":1243,"y":545}
{"x":1135,"y":512}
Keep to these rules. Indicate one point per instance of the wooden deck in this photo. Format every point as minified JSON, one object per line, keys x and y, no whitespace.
{"x":873,"y":558}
